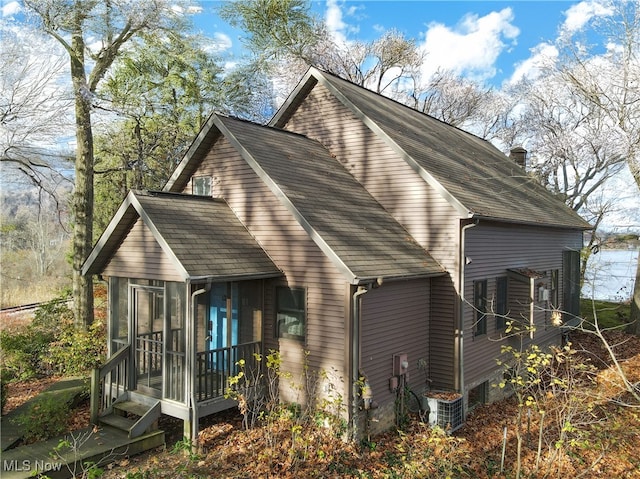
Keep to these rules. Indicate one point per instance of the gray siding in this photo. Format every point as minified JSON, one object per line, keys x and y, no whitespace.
{"x":493,"y":249}
{"x":442,"y":365}
{"x":426,"y":215}
{"x":395,"y":319}
{"x":292,"y":250}
{"x":140,"y":256}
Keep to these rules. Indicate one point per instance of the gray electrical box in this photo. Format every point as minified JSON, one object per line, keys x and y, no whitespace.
{"x":400,"y":364}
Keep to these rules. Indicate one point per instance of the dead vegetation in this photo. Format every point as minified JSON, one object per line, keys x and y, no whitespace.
{"x":605,"y":446}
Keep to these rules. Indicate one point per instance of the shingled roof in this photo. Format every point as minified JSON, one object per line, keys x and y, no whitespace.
{"x":182,"y":225}
{"x":472,"y":174}
{"x":362,"y":239}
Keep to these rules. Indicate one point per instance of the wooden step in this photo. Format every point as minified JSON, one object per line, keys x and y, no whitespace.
{"x":131,"y":407}
{"x":133,"y":417}
{"x":118,"y":421}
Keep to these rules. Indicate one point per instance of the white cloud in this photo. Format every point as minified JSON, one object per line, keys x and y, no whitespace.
{"x":11,"y":9}
{"x":219,"y":43}
{"x":471,"y":47}
{"x":530,"y":68}
{"x":333,"y":19}
{"x":189,"y":10}
{"x":578,"y":15}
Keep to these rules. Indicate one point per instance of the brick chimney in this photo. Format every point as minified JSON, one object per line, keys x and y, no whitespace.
{"x":519,"y":155}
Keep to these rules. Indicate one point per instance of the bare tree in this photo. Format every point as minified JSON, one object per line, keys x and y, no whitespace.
{"x":92,"y":33}
{"x":34,"y":107}
{"x":607,"y":83}
{"x":457,"y":101}
{"x":287,"y":38}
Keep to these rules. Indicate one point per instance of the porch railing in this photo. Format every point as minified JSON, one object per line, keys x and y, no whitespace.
{"x":149,"y":359}
{"x":214,"y":367}
{"x":108,"y":382}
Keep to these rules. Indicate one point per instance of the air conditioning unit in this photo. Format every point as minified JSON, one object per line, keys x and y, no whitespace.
{"x":445,"y":410}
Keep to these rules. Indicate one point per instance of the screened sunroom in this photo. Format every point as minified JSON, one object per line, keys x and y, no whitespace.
{"x":185,"y":305}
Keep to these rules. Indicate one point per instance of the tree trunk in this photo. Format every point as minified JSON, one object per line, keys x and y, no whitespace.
{"x":83,"y":192}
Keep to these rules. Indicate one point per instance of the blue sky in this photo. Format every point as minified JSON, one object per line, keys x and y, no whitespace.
{"x":488,"y":41}
{"x":492,"y":42}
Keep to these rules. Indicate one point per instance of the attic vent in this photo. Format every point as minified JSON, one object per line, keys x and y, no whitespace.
{"x":519,"y":155}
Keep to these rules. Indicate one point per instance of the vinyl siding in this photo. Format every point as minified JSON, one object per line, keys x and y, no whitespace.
{"x":442,"y":325}
{"x":395,"y":319}
{"x":426,"y":215}
{"x":493,"y":249}
{"x":140,"y":256}
{"x":292,"y":250}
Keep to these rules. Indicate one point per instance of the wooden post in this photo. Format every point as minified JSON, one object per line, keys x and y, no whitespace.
{"x":94,"y":404}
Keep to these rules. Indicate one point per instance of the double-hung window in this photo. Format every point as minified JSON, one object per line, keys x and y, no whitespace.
{"x":480,"y":307}
{"x":291,"y":313}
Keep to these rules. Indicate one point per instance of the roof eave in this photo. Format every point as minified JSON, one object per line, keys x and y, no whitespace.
{"x":101,"y":244}
{"x":281,"y":196}
{"x":585,"y":227}
{"x":380,"y":279}
{"x":284,"y":112}
{"x":240,"y":277}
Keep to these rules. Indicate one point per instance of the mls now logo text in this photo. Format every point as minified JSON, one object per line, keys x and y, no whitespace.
{"x":28,"y":465}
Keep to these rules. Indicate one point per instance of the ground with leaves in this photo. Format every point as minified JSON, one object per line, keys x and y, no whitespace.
{"x":607,"y":445}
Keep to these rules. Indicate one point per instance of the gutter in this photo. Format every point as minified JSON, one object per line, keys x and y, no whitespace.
{"x":459,"y":336}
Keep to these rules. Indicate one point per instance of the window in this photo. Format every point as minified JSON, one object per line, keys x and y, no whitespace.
{"x":480,"y":307}
{"x":201,"y":185}
{"x":291,"y":313}
{"x":571,"y":283}
{"x":501,"y":302}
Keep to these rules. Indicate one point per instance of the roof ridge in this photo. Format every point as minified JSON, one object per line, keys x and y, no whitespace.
{"x":403,"y":105}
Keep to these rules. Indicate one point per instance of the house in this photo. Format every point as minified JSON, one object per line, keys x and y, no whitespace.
{"x":351,"y":234}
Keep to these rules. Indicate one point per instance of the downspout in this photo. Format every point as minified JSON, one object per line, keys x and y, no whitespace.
{"x":532,"y":298}
{"x":193,"y":404}
{"x":355,"y":354}
{"x":459,"y":382}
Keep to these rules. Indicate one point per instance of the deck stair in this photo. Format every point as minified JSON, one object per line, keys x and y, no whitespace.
{"x":133,"y":413}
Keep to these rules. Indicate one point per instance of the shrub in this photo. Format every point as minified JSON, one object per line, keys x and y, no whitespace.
{"x":46,"y":417}
{"x":51,"y":343}
{"x":77,"y":351}
{"x":5,"y":377}
{"x":23,"y":351}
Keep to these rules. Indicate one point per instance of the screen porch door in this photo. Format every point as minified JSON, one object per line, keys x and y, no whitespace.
{"x":148,"y":324}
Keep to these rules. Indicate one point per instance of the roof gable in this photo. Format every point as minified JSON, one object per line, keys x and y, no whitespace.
{"x":360,"y":237}
{"x":470,"y":173}
{"x":188,"y":230}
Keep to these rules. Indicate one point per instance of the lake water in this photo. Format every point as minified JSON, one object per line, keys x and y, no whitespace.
{"x":610,"y":275}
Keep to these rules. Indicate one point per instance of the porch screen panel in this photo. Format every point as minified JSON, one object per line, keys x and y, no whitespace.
{"x":175,"y":343}
{"x":119,"y":313}
{"x":250,"y":312}
{"x":148,"y":308}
